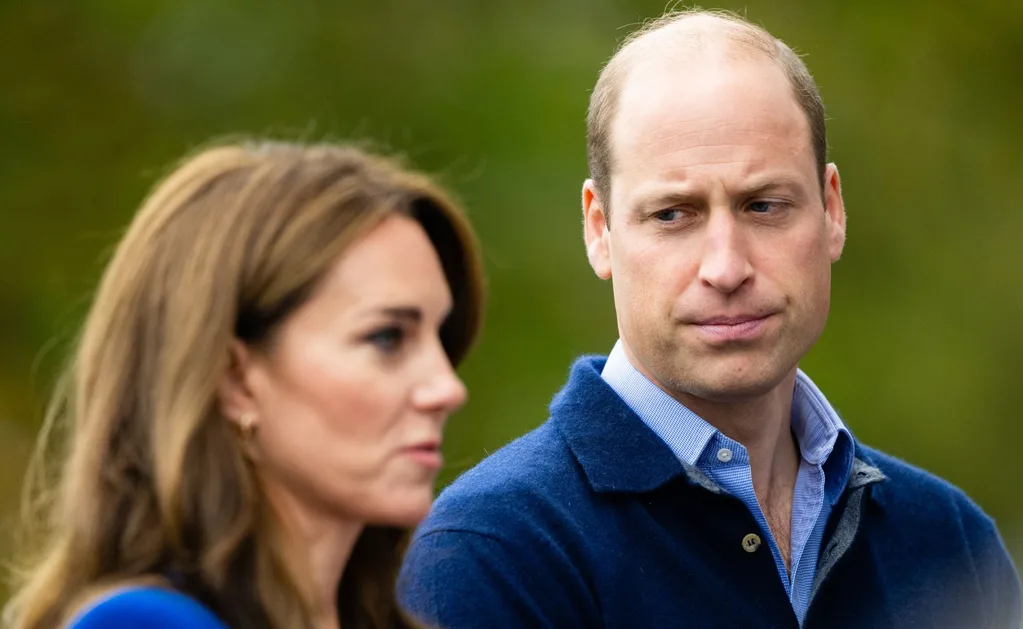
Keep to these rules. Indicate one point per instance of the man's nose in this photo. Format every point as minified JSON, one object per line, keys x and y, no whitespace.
{"x":725,"y":264}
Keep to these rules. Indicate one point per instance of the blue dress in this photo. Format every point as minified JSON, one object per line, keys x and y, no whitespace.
{"x":142,"y":606}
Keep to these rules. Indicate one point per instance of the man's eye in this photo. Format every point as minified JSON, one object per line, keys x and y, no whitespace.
{"x":667,"y":216}
{"x":762,"y":207}
{"x":387,"y":340}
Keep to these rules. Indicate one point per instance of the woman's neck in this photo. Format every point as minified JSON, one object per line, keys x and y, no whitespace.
{"x":319,"y":548}
{"x":326,"y":553}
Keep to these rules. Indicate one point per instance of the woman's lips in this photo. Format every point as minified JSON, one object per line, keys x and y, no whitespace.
{"x":426,"y":454}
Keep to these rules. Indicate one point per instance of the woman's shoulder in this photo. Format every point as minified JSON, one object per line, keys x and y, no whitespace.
{"x":137,"y":606}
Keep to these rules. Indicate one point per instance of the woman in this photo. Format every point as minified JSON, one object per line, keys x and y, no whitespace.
{"x":255,"y":407}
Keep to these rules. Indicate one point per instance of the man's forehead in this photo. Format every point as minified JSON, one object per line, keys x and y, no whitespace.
{"x":705,"y":102}
{"x":691,"y":37}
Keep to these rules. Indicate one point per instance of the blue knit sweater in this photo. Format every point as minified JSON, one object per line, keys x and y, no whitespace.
{"x":140,"y":606}
{"x":591,"y":521}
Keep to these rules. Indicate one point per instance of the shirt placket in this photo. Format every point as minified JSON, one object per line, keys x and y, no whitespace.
{"x":806,"y":511}
{"x":727,"y":462}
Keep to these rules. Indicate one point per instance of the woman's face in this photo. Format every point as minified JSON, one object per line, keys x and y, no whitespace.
{"x":351,"y":401}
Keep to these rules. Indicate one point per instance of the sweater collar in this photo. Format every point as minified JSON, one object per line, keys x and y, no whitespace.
{"x":619,"y":453}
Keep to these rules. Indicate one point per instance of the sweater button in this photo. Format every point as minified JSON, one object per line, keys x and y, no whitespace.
{"x":751,"y":543}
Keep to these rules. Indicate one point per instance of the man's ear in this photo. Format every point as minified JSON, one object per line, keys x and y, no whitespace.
{"x":834,"y":207}
{"x":236,"y":399}
{"x":595,"y":231}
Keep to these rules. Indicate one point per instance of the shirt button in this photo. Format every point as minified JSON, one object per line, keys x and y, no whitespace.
{"x":724,"y":455}
{"x":751,"y":543}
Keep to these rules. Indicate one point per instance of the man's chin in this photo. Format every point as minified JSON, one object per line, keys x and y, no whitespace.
{"x":731,"y":385}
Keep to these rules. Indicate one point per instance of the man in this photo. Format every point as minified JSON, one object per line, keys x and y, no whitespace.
{"x":696,"y":477}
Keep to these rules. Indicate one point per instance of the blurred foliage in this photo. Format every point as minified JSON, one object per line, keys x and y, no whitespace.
{"x":100,"y":96}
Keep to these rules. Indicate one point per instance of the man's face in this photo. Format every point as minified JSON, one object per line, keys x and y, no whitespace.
{"x":719,"y":242}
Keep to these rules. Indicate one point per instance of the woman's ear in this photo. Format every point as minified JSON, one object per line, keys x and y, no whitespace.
{"x":236,"y":399}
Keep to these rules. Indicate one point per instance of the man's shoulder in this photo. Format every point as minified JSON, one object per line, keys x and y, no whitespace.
{"x":508,"y":543}
{"x":913,"y":491}
{"x":135,"y":606}
{"x":534,"y":473}
{"x":933,"y":529}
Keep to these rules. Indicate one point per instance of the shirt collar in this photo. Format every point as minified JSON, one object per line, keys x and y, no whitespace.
{"x":823,"y":438}
{"x":817,"y":427}
{"x":607,"y":439}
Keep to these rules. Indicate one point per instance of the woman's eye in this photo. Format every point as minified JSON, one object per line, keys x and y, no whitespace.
{"x":388,"y":340}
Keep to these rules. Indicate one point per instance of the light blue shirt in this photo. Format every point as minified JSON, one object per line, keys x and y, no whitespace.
{"x":825,"y":445}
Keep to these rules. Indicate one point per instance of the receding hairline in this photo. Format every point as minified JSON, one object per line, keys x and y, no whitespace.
{"x":694,"y":33}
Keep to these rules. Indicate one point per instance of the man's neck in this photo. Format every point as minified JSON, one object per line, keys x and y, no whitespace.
{"x":763,"y":426}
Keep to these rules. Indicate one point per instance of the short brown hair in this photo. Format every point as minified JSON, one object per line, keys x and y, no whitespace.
{"x":739,"y":31}
{"x":155,"y":483}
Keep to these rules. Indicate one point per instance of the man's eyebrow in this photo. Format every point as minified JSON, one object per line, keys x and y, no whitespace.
{"x":412,"y":314}
{"x":664,"y":199}
{"x":670,"y":197}
{"x":769,"y":184}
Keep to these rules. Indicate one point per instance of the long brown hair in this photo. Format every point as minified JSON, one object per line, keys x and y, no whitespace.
{"x":154,"y":482}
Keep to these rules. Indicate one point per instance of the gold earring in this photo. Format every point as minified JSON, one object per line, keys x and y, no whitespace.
{"x":247,"y":425}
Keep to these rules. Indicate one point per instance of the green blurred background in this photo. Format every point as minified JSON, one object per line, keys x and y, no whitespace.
{"x":98,"y":97}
